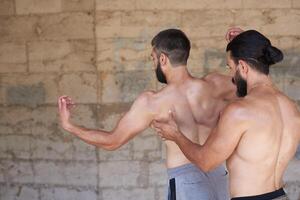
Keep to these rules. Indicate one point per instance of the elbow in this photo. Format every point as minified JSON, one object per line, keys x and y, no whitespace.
{"x":107,"y":142}
{"x":110,"y":146}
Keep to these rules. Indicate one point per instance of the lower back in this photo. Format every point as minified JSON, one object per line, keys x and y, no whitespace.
{"x":250,"y":179}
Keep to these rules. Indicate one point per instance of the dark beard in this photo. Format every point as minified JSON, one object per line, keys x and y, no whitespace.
{"x":241,"y":85}
{"x":160,"y":75}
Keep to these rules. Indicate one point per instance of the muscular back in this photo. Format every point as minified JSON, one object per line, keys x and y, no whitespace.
{"x":197,"y":103}
{"x":268,"y":144}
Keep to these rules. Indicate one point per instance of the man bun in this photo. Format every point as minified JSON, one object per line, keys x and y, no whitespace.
{"x":272,"y":55}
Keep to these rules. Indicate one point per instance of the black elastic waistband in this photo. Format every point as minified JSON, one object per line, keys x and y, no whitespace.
{"x":267,"y":196}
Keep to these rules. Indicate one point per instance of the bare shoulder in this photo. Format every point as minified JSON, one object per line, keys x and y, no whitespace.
{"x":221,"y":85}
{"x":146,"y":95}
{"x":197,"y":84}
{"x":217,"y":78}
{"x":291,"y":111}
{"x":152,"y":100}
{"x":292,"y":107}
{"x":237,"y":110}
{"x":289,"y":104}
{"x":235,"y":118}
{"x":145,"y":98}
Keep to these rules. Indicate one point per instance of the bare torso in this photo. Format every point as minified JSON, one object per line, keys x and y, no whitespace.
{"x":271,"y":139}
{"x":197,"y":103}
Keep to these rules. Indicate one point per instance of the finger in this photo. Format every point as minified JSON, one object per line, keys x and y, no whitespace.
{"x":172,"y":114}
{"x":172,"y":118}
{"x":227,"y":36}
{"x":234,"y":31}
{"x":156,"y":124}
{"x":71,"y":106}
{"x":68,"y":106}
{"x":70,"y":103}
{"x":152,"y":126}
{"x":228,"y":33}
{"x":66,"y":99}
{"x":161,"y":136}
{"x":63,"y":104}
{"x":172,"y":109}
{"x":62,"y":97}
{"x":158,"y":130}
{"x":69,"y":99}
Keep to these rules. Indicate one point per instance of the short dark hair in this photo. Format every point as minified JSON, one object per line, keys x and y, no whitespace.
{"x":174,"y":43}
{"x":255,"y":49}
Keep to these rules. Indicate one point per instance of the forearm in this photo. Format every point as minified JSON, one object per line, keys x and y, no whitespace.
{"x":98,"y":138}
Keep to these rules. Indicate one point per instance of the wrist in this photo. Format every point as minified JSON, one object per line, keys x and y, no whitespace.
{"x":67,"y":126}
{"x":178,"y":136}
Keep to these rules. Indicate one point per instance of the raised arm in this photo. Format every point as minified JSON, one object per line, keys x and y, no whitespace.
{"x":132,"y":123}
{"x":232,"y":33}
{"x":220,"y":143}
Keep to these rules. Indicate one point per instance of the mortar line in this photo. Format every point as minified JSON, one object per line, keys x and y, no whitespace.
{"x":98,"y":87}
{"x":15,"y":7}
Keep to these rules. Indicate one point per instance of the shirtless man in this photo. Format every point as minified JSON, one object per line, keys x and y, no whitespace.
{"x":257,"y":134}
{"x":198,"y":103}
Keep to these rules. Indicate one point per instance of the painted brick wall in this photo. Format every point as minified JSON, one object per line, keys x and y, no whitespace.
{"x":98,"y":52}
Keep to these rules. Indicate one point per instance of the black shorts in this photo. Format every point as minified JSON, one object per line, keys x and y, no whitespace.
{"x":268,"y":196}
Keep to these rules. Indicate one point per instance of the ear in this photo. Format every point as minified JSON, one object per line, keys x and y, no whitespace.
{"x":163,"y":59}
{"x":243,"y":67}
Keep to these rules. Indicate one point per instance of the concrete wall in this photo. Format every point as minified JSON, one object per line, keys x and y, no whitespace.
{"x":98,"y":52}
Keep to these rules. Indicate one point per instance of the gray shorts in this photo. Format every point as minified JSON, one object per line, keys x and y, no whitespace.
{"x":188,"y":182}
{"x":282,"y":198}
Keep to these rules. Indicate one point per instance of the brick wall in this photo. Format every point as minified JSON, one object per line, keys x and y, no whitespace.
{"x":98,"y":52}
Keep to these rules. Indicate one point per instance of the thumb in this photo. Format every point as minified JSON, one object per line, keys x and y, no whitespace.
{"x":172,"y":114}
{"x":64,"y":105}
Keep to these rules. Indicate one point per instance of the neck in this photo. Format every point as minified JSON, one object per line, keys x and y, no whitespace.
{"x":178,"y":75}
{"x":259,"y":80}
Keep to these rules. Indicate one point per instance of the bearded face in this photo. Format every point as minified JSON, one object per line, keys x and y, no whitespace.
{"x":159,"y":74}
{"x":241,"y":84}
